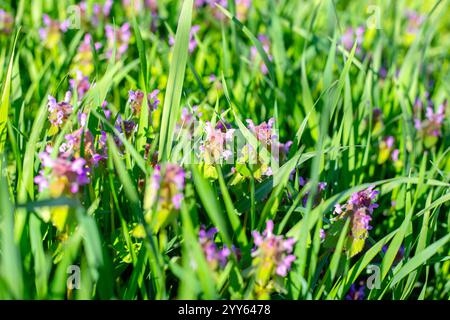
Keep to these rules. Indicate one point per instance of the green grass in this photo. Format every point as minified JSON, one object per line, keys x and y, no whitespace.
{"x":337,"y":102}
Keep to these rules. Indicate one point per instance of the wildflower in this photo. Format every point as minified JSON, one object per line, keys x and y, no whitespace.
{"x":242,"y":8}
{"x":136,"y":98}
{"x":6,"y":22}
{"x":99,"y":12}
{"x":84,"y":58}
{"x":165,"y":189}
{"x":80,"y":84}
{"x":216,"y":147}
{"x":102,"y":154}
{"x":322,"y":234}
{"x":59,"y":112}
{"x":126,"y":129}
{"x":66,"y":176}
{"x":105,"y":109}
{"x":254,"y":53}
{"x":430,"y":127}
{"x":385,"y":149}
{"x":415,"y":21}
{"x":350,"y":36}
{"x":413,"y":25}
{"x":153,"y":6}
{"x":216,"y":257}
{"x":192,"y":40}
{"x":358,"y":209}
{"x":119,"y":38}
{"x":51,"y":32}
{"x":356,"y":293}
{"x":131,"y":10}
{"x":259,"y":156}
{"x":187,"y":121}
{"x":272,"y":258}
{"x":72,"y":146}
{"x":213,"y":148}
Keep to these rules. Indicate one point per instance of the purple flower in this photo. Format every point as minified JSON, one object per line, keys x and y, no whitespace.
{"x":129,"y":8}
{"x":215,"y":146}
{"x":50,"y":34}
{"x":350,"y":36}
{"x":6,"y":22}
{"x":126,"y":129}
{"x":266,"y":47}
{"x":394,"y":155}
{"x":415,"y":21}
{"x":136,"y":98}
{"x":272,"y":253}
{"x":359,"y":209}
{"x":432,"y":124}
{"x":99,"y":12}
{"x":120,"y":39}
{"x":66,"y":174}
{"x":71,"y":147}
{"x":215,"y":256}
{"x":170,"y":185}
{"x":105,"y":109}
{"x":322,"y":234}
{"x":59,"y":111}
{"x":356,"y":293}
{"x":80,"y":83}
{"x":242,"y":8}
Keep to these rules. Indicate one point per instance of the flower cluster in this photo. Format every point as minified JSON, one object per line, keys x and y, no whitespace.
{"x":59,"y":112}
{"x":386,"y":150}
{"x":186,"y":124}
{"x":136,"y":98}
{"x":358,"y":209}
{"x":132,"y":7}
{"x":73,"y":143}
{"x":80,"y":84}
{"x":272,"y":257}
{"x":119,"y":38}
{"x":414,"y":21}
{"x":99,"y":12}
{"x":216,"y":257}
{"x":429,"y":127}
{"x":126,"y":129}
{"x":166,"y":192}
{"x":51,"y":32}
{"x":216,"y":146}
{"x":242,"y":8}
{"x":254,"y":53}
{"x":84,"y":59}
{"x":356,"y":292}
{"x":66,"y":174}
{"x":6,"y":22}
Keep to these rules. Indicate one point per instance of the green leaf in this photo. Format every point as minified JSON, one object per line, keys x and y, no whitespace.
{"x":175,"y":82}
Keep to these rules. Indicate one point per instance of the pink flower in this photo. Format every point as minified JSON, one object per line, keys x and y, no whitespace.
{"x":272,"y":252}
{"x":66,"y":175}
{"x":119,"y":38}
{"x":59,"y":112}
